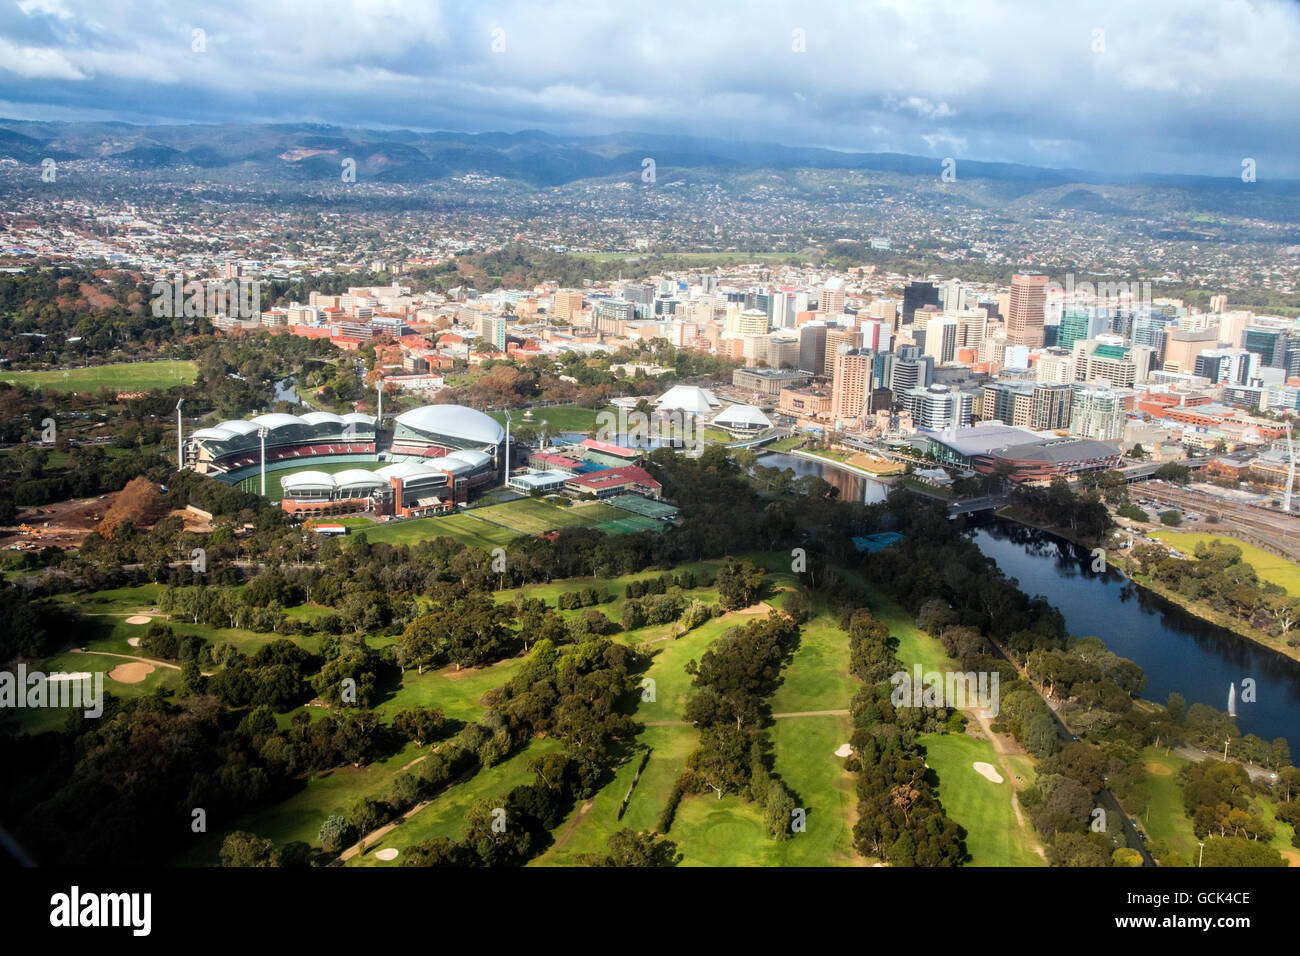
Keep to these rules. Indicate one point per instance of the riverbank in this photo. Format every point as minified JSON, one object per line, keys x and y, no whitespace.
{"x":882,"y":476}
{"x":1197,"y":609}
{"x":1201,"y":610}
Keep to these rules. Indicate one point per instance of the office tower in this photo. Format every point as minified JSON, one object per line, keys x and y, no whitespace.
{"x":1181,"y":348}
{"x":1025,"y":319}
{"x":941,"y":340}
{"x":492,"y":329}
{"x":812,"y":348}
{"x":1232,"y":325}
{"x":1227,"y":366}
{"x":840,"y":339}
{"x":566,"y":305}
{"x":782,"y":315}
{"x":1269,"y":344}
{"x":911,"y":371}
{"x":1075,"y":327}
{"x":915,"y":296}
{"x":1218,"y":303}
{"x":972,"y":327}
{"x":851,"y":384}
{"x":876,"y":335}
{"x":832,"y":299}
{"x":752,"y":322}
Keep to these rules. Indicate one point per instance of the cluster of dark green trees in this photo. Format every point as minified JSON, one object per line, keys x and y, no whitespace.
{"x":1218,"y":577}
{"x":900,"y":818}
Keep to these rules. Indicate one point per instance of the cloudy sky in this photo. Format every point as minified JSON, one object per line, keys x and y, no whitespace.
{"x":1118,"y":85}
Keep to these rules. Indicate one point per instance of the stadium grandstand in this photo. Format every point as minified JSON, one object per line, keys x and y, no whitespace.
{"x":232,"y":450}
{"x":437,"y":430}
{"x":406,"y":489}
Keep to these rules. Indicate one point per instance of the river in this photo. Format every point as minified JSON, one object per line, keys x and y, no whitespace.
{"x":1177,"y":651}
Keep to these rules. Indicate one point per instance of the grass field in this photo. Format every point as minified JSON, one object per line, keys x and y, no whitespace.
{"x":126,"y":376}
{"x":253,"y":483}
{"x":558,"y":418}
{"x":1164,"y":817}
{"x":983,"y":808}
{"x":1269,"y":567}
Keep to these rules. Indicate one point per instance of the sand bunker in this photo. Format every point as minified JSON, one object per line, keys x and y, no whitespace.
{"x":132,"y":673}
{"x":133,"y":641}
{"x":986,"y":770}
{"x":139,"y":619}
{"x":386,"y":854}
{"x":78,"y":676}
{"x":844,"y":750}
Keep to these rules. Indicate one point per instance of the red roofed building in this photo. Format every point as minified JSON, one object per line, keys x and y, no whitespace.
{"x":615,"y":481}
{"x":608,"y":448}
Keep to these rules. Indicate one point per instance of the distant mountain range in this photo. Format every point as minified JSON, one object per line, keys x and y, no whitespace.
{"x":530,"y":156}
{"x":306,"y":152}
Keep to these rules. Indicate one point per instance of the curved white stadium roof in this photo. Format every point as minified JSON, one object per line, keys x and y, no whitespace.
{"x":404,"y":470}
{"x":357,"y":476}
{"x":454,"y":421}
{"x":275,"y":420}
{"x":312,"y":418}
{"x":305,"y":480}
{"x":476,"y":458}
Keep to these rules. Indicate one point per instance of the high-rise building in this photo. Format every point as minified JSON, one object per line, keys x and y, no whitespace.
{"x":1227,"y":366}
{"x":1050,"y":407}
{"x":566,"y":305}
{"x":832,"y":299}
{"x":840,"y":339}
{"x":492,"y":329}
{"x":851,"y":384}
{"x":1097,"y":412}
{"x":1182,"y":348}
{"x":938,"y":407}
{"x":941,"y":339}
{"x":1268,"y":343}
{"x":910,"y":369}
{"x":1025,"y":318}
{"x":915,"y":296}
{"x":812,"y":348}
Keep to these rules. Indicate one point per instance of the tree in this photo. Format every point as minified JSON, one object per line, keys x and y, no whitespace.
{"x":241,"y":848}
{"x":628,"y":847}
{"x":336,"y":833}
{"x":420,"y":724}
{"x":779,"y":810}
{"x":739,"y":584}
{"x":1171,"y":518}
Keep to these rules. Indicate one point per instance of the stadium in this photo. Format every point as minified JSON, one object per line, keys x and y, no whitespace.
{"x":439,"y":456}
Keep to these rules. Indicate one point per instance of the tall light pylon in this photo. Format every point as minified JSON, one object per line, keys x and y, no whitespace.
{"x":180,"y":436}
{"x":1290,"y":470}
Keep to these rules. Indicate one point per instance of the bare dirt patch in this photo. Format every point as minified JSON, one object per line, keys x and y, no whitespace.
{"x":1158,"y":770}
{"x":132,"y":673}
{"x":60,"y":525}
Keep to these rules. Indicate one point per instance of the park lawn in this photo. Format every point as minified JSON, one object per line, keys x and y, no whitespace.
{"x":617,"y":587}
{"x":299,"y":817}
{"x":127,"y":376}
{"x":914,"y":645}
{"x":1281,"y":832}
{"x":981,"y":807}
{"x":456,"y":693}
{"x":537,"y":516}
{"x":40,"y":720}
{"x":817,"y":677}
{"x":726,"y":832}
{"x":462,"y":527}
{"x":445,"y":816}
{"x":558,"y":418}
{"x":804,"y":750}
{"x":589,"y":832}
{"x":1164,"y":818}
{"x":1269,"y":567}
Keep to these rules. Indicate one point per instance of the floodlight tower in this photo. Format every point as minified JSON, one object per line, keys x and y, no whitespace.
{"x":261,"y":434}
{"x":379,"y":420}
{"x":1290,"y":469}
{"x":180,"y":436}
{"x":507,"y":447}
